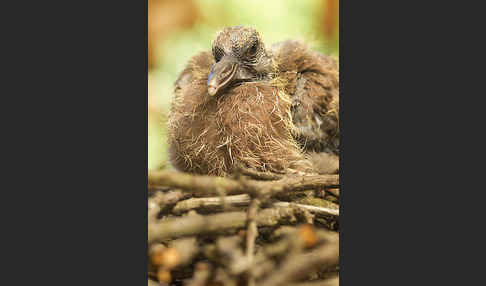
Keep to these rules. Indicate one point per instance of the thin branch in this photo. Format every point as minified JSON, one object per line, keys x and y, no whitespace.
{"x":243,"y":200}
{"x":327,"y":282}
{"x":298,"y":266}
{"x":197,"y":224}
{"x":320,"y":211}
{"x":202,"y":272}
{"x":210,"y":185}
{"x":167,"y":198}
{"x":251,"y":235}
{"x":153,"y":283}
{"x":257,"y":175}
{"x":197,"y":185}
{"x":211,"y":202}
{"x":333,"y":191}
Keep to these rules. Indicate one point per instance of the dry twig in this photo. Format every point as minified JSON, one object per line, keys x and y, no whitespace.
{"x":327,"y":282}
{"x":211,"y":202}
{"x":299,"y":265}
{"x":244,"y":200}
{"x":322,"y":211}
{"x":251,"y":235}
{"x":210,"y":185}
{"x":197,"y":224}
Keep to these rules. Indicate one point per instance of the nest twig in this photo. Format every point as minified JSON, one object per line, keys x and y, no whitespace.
{"x":246,"y":230}
{"x":210,"y":185}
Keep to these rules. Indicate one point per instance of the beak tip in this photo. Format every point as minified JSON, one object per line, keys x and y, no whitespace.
{"x":212,"y":90}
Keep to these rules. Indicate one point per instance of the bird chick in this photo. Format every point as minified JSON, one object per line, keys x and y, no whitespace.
{"x":244,"y":104}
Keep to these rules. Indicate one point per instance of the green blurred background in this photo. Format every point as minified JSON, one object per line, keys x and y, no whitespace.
{"x":179,"y":29}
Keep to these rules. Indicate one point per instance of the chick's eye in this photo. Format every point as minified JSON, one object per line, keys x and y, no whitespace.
{"x":217,"y":54}
{"x":253,"y":49}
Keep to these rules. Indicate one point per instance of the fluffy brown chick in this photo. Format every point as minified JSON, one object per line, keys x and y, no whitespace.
{"x":243,"y":104}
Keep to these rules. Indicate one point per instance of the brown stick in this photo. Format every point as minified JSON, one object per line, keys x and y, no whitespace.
{"x":153,"y":283}
{"x":168,"y":198}
{"x":257,"y":175}
{"x":198,"y":185}
{"x":251,"y":235}
{"x":211,"y":202}
{"x":320,"y":211}
{"x":211,"y":185}
{"x":327,"y":282}
{"x":299,"y":265}
{"x":197,"y":224}
{"x":202,"y":273}
{"x":333,"y":191}
{"x":244,"y":200}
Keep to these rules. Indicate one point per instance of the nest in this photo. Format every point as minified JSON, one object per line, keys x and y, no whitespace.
{"x":253,"y":228}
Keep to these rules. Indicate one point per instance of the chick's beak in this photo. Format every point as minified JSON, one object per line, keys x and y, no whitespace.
{"x":221,"y":74}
